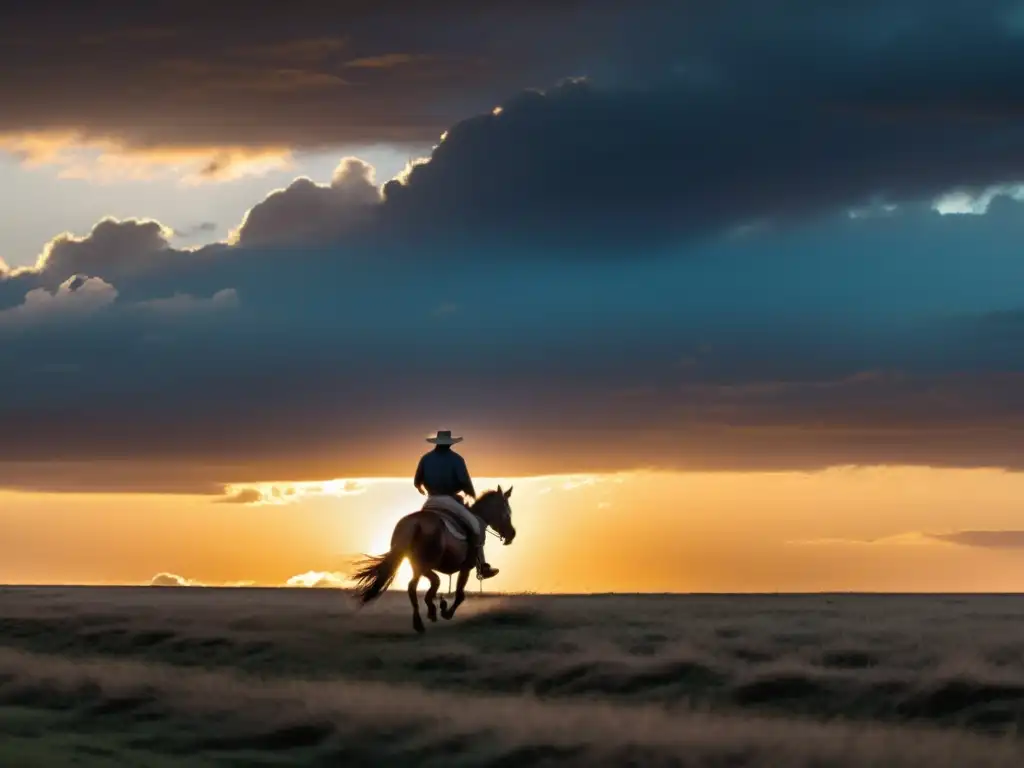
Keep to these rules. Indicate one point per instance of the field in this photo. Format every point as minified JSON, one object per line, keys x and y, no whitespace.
{"x":250,"y":677}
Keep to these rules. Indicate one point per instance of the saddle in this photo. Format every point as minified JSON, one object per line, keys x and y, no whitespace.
{"x":460,"y":522}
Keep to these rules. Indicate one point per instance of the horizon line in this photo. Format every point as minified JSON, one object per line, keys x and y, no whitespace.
{"x":528,"y":593}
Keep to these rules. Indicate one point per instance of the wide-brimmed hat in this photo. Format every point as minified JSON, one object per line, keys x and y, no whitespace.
{"x":444,"y":437}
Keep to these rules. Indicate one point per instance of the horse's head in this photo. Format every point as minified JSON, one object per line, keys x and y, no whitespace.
{"x":494,"y":509}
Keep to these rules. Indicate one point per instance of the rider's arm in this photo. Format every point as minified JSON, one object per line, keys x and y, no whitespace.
{"x":417,"y":479}
{"x":464,"y":481}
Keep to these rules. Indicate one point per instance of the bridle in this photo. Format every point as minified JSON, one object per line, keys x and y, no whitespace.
{"x":489,"y":529}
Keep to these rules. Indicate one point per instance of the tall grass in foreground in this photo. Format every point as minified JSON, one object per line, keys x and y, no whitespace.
{"x":204,"y":677}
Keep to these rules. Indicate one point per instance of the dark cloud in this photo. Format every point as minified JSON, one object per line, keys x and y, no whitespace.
{"x":692,"y":124}
{"x":852,"y":341}
{"x":581,"y":162}
{"x":307,"y":403}
{"x":111,"y":474}
{"x":865,"y":400}
{"x":75,"y":298}
{"x":202,"y":228}
{"x":306,"y":75}
{"x":309,"y":74}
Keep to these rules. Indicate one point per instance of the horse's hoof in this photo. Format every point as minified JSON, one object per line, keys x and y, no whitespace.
{"x":418,"y":626}
{"x":444,"y":605}
{"x":432,"y":615}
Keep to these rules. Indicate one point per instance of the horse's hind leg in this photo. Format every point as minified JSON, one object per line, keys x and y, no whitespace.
{"x":435,"y":583}
{"x":417,"y":622}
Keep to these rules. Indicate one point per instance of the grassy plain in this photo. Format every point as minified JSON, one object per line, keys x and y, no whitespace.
{"x":262,"y":677}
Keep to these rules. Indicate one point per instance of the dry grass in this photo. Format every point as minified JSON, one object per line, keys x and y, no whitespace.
{"x":292,"y":677}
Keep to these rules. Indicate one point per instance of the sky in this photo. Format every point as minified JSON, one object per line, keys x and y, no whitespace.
{"x":730,"y":292}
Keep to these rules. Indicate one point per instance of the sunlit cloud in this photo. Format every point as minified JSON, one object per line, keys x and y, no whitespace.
{"x":578,"y":481}
{"x":999,"y":539}
{"x":312,"y":212}
{"x":106,"y":160}
{"x":411,"y":164}
{"x":875,"y":209}
{"x":166,"y":579}
{"x":172,"y":580}
{"x":910,"y":538}
{"x":388,"y":60}
{"x":570,"y":482}
{"x":288,"y":493}
{"x":318,"y":580}
{"x":1013,"y":539}
{"x":961,"y":202}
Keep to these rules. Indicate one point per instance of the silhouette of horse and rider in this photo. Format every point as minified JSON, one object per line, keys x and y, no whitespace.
{"x":446,"y":535}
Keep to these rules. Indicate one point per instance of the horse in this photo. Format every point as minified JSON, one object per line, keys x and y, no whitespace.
{"x":425,"y":540}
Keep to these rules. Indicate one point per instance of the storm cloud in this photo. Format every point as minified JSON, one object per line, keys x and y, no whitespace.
{"x":720,"y":254}
{"x":834,"y":344}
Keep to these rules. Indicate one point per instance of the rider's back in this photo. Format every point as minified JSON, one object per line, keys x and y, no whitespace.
{"x":443,"y":473}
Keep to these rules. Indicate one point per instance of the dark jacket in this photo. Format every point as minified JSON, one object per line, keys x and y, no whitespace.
{"x":443,"y":473}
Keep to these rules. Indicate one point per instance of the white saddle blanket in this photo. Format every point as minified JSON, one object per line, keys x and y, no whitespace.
{"x":449,"y":507}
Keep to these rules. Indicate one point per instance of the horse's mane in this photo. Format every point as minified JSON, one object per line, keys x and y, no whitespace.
{"x":486,"y":495}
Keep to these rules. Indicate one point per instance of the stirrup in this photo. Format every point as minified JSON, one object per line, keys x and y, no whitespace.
{"x":492,"y":572}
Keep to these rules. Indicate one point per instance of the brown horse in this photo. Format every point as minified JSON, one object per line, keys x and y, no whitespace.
{"x":423,"y":538}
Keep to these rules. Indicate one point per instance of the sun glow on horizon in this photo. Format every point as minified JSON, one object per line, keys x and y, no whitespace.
{"x":852,"y":529}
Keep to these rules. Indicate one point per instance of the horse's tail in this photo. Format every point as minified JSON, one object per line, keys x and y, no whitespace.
{"x":374,"y":574}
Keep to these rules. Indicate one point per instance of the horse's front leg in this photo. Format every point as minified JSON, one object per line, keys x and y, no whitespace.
{"x":435,"y":583}
{"x":417,"y":622}
{"x":460,"y":594}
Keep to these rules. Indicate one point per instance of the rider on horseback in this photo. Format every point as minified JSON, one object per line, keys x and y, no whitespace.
{"x":442,"y":472}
